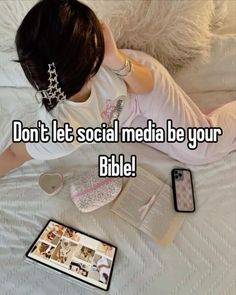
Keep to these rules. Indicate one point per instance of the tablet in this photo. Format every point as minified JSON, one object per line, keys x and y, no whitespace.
{"x":75,"y":254}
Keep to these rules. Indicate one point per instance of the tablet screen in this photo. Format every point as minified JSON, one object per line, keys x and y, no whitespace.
{"x":78,"y":255}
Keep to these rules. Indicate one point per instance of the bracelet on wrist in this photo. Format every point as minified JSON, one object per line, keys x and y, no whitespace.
{"x":125,"y":70}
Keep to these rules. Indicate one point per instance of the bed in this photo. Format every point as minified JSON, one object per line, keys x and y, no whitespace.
{"x":202,"y":258}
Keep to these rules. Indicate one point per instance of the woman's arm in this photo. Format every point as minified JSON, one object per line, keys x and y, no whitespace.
{"x":140,"y":80}
{"x":13,"y":157}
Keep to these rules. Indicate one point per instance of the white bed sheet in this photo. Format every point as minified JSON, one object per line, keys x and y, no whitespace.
{"x":202,"y":259}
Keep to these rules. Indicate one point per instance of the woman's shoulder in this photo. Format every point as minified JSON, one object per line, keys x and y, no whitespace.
{"x":109,"y":84}
{"x":105,"y":73}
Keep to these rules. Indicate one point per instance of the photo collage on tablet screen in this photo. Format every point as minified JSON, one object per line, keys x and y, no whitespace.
{"x":74,"y":253}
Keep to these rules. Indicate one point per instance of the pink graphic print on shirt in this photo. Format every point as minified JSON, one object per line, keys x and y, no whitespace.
{"x":112,"y":109}
{"x":108,"y":110}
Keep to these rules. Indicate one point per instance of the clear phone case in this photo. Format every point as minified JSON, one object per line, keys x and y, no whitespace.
{"x":183,"y":190}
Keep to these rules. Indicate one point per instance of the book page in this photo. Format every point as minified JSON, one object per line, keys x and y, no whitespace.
{"x":137,"y":193}
{"x":162,"y":221}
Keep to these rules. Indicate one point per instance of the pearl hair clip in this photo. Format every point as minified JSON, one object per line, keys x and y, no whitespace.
{"x":53,"y":91}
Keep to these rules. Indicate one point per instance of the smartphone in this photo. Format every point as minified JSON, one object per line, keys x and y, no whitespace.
{"x":74,"y":254}
{"x":183,"y":194}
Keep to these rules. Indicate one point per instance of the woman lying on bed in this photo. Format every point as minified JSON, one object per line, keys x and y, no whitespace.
{"x":82,"y":78}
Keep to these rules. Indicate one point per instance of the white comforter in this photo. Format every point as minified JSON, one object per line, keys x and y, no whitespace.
{"x":202,"y":258}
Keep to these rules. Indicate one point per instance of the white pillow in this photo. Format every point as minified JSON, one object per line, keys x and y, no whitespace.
{"x":172,"y":31}
{"x":218,"y":73}
{"x":229,"y":23}
{"x":12,"y":13}
{"x":11,"y":73}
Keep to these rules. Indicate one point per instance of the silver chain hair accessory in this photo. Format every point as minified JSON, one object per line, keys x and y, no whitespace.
{"x":53,"y":91}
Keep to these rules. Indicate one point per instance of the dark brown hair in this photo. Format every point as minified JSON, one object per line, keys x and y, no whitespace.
{"x":67,"y":33}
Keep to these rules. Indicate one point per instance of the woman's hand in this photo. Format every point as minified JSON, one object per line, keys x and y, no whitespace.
{"x":113,"y":59}
{"x":140,"y":79}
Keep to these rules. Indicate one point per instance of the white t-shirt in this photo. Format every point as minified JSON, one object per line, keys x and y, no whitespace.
{"x":106,"y":90}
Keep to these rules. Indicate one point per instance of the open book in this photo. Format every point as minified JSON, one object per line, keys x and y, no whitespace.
{"x":147,"y":203}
